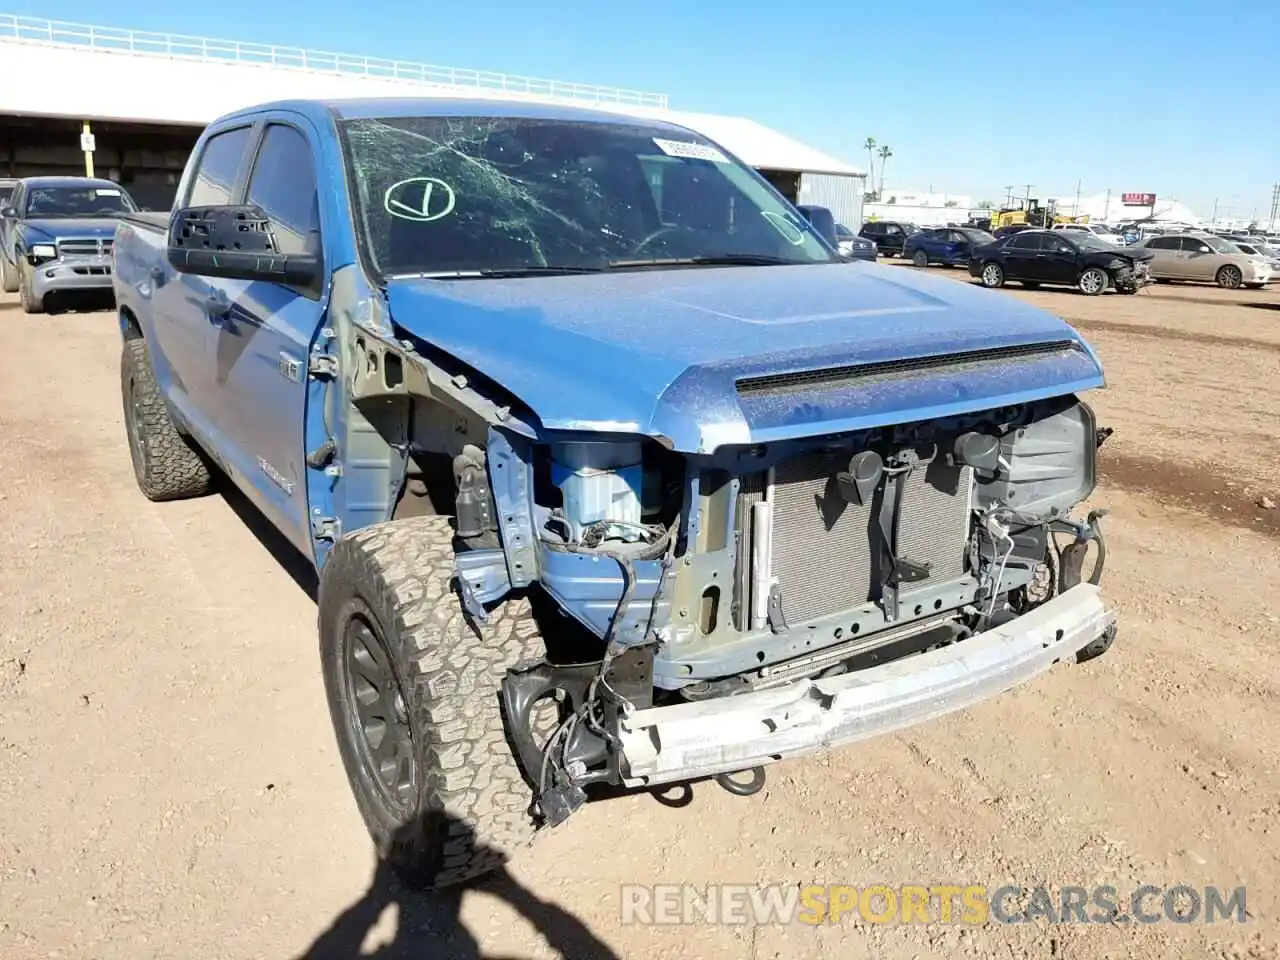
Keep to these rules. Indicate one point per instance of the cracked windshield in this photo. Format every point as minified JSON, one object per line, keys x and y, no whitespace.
{"x":468,"y":196}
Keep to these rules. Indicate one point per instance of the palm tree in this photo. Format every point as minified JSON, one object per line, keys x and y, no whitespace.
{"x":870,"y":147}
{"x":885,"y":153}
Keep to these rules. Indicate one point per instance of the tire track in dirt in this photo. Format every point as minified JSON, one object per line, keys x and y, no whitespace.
{"x":1192,"y":486}
{"x":1169,"y":333}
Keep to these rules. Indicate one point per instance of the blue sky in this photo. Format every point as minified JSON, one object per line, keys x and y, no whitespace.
{"x":1177,"y":98}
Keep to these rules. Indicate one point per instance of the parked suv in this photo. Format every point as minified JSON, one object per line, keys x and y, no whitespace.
{"x":889,"y":236}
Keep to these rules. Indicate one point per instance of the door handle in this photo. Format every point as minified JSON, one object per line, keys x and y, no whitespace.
{"x":157,"y":275}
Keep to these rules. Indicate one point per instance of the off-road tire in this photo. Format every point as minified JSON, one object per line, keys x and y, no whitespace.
{"x":920,"y":258}
{"x":26,"y":292}
{"x":473,"y":807}
{"x":8,"y":276}
{"x":1229,"y":277}
{"x":165,"y":464}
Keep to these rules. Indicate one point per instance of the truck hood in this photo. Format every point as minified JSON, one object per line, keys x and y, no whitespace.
{"x":62,"y":228}
{"x":705,"y":357}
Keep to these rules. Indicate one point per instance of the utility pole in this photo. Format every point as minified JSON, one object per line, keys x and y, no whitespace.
{"x":1275,"y":205}
{"x":1106,"y":210}
{"x":1008,"y":196}
{"x":1213,"y":221}
{"x":1076,"y":211}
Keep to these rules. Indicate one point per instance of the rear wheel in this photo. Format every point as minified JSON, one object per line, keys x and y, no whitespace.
{"x":8,"y":276}
{"x":992,"y":275}
{"x":1093,"y":281}
{"x":164,"y":463}
{"x":413,"y":696}
{"x":1229,"y":277}
{"x":920,"y":258}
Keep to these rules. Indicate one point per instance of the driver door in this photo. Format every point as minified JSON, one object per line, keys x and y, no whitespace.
{"x":1196,"y":259}
{"x":1059,"y":261}
{"x":264,"y":339}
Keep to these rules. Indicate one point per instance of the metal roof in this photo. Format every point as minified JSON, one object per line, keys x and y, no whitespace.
{"x":753,"y":143}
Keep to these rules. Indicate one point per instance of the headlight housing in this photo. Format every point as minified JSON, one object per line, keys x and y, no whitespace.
{"x":44,"y":251}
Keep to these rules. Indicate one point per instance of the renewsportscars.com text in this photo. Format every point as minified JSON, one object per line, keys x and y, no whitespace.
{"x":974,"y":904}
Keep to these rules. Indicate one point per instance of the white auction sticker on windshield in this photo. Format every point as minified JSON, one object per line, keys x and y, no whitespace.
{"x":690,"y":151}
{"x":104,"y":192}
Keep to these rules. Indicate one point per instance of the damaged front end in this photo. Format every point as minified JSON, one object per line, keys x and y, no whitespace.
{"x":769,"y":599}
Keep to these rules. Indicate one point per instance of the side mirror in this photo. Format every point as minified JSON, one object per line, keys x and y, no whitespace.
{"x":9,"y":213}
{"x":823,"y":221}
{"x":235,"y":242}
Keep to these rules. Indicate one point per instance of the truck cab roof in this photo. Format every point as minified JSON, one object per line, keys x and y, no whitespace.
{"x":368,"y":107}
{"x":68,"y":182}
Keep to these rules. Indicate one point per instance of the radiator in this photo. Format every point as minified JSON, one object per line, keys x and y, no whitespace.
{"x":822,"y":546}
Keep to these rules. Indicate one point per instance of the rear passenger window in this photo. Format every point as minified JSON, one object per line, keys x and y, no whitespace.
{"x":216,"y":174}
{"x":283,"y":184}
{"x":1163,"y":243}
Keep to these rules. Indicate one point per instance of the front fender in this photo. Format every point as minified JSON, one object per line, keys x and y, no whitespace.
{"x":23,"y":240}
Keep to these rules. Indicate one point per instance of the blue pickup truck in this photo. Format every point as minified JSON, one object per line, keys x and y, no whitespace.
{"x":615,"y":474}
{"x":55,"y":237}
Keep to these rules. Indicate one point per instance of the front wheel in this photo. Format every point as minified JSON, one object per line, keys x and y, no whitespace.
{"x":992,"y":275}
{"x":1229,"y":277}
{"x":920,"y":258}
{"x":414,"y":698}
{"x":1093,"y":281}
{"x":27,"y":292}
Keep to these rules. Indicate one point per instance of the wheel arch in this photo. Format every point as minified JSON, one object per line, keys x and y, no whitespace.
{"x":130,"y":327}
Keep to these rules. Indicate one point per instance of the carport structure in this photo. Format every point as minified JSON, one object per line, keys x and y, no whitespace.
{"x":138,"y":100}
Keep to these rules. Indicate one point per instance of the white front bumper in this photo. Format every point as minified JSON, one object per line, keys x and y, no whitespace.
{"x":691,"y":740}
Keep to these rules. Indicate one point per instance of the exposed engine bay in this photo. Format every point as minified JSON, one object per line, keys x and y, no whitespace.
{"x":705,"y":577}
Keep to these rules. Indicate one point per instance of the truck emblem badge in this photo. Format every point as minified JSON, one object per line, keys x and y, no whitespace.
{"x":276,"y":477}
{"x":290,"y":368}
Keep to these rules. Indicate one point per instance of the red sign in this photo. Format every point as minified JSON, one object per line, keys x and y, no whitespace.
{"x":1138,"y":199}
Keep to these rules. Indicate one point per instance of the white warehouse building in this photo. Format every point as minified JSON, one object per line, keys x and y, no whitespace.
{"x":144,"y":97}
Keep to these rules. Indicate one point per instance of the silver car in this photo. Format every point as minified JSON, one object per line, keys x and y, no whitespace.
{"x":1206,"y":258}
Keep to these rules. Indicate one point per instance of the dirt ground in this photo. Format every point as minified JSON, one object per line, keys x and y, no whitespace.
{"x":169,"y":785}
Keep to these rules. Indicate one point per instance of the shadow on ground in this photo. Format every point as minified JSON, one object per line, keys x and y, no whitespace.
{"x":428,"y":926}
{"x":282,"y":551}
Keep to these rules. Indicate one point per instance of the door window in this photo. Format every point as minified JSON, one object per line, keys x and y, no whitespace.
{"x":1024,"y":241}
{"x":219,"y":162}
{"x":1163,"y":243}
{"x":283,"y":184}
{"x":1194,"y":245}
